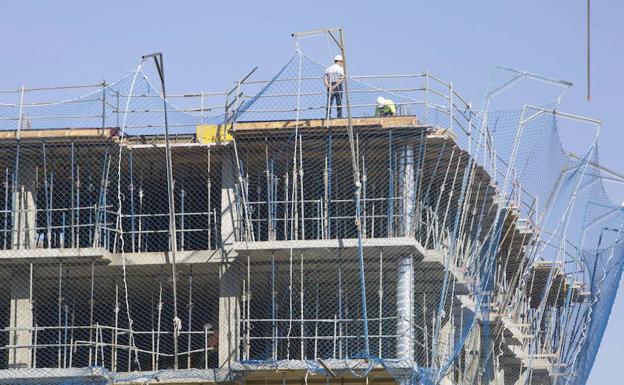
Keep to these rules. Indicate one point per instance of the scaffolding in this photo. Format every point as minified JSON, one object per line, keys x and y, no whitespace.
{"x":445,"y":244}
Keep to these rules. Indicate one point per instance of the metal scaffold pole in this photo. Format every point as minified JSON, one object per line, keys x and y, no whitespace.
{"x":340,"y":42}
{"x":173,"y":247}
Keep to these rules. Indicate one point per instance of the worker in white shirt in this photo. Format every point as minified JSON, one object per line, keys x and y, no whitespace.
{"x":334,"y":76}
{"x":385,"y":107}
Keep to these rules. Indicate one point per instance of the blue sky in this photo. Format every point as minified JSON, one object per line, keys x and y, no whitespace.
{"x":208,"y":44}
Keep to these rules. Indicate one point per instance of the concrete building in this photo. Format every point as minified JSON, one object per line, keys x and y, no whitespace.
{"x":429,"y":264}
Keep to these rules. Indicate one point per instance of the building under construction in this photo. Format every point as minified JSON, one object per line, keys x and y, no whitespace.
{"x":244,"y":237}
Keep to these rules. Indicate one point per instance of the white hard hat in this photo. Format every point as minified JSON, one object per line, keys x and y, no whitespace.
{"x":338,"y":58}
{"x":380,"y":101}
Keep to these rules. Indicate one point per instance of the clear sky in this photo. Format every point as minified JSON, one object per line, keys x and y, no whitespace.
{"x":209,"y":44}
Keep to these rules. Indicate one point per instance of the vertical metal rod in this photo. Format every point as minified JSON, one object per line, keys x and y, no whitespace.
{"x":21,"y":110}
{"x":158,"y":59}
{"x":340,"y":315}
{"x":205,"y":346}
{"x":301,"y":310}
{"x":390,"y":214}
{"x":160,"y":306}
{"x":91,"y":311}
{"x":91,"y":211}
{"x":47,"y":191}
{"x":72,"y":218}
{"x":60,"y":313}
{"x":364,"y":185}
{"x":328,"y":201}
{"x":100,"y":208}
{"x":295,"y":191}
{"x":78,"y":227}
{"x":71,"y":336}
{"x":15,"y":202}
{"x":152,"y":334}
{"x":131,"y":187}
{"x":190,"y":316}
{"x":268,"y":191}
{"x":244,"y":317}
{"x":274,"y":196}
{"x":273,"y":309}
{"x":35,"y":342}
{"x":301,"y":186}
{"x":140,"y":221}
{"x":182,"y":195}
{"x":286,"y":236}
{"x":425,"y":328}
{"x":65,"y":330}
{"x":117,"y":107}
{"x":316,"y":323}
{"x":427,"y":98}
{"x":115,"y":332}
{"x":248,"y":326}
{"x":31,"y":304}
{"x":335,"y":335}
{"x":201,"y":109}
{"x":214,"y":221}
{"x":379,"y":354}
{"x":96,"y":343}
{"x":103,"y":104}
{"x":102,"y":345}
{"x":451,"y":106}
{"x":6,"y":208}
{"x":63,"y":231}
{"x":104,"y":206}
{"x":209,"y":202}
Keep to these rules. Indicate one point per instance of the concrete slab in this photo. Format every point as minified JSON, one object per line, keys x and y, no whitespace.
{"x":47,"y":255}
{"x":319,"y":248}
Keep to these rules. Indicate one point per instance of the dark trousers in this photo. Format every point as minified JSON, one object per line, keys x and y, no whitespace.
{"x":334,"y":94}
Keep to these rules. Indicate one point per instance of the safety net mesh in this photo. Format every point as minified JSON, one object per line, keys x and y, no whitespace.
{"x":425,"y":243}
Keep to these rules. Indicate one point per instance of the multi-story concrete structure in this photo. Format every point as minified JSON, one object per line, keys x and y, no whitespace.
{"x":366,"y":249}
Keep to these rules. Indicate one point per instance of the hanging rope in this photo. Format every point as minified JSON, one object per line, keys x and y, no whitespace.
{"x":119,"y":225}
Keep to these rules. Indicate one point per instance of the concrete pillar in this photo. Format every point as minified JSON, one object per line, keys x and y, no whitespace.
{"x":510,"y":372}
{"x":21,"y":316}
{"x":405,"y":270}
{"x":405,"y":309}
{"x":229,"y":277}
{"x":445,"y":348}
{"x":24,"y":214}
{"x":407,"y":188}
{"x":472,"y":358}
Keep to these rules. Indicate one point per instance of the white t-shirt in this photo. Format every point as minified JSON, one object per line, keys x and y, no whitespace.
{"x":334,"y":72}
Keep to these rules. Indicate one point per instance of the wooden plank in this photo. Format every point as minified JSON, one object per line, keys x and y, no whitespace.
{"x":61,"y":133}
{"x":385,"y":122}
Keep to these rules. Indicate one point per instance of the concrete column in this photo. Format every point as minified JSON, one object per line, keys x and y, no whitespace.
{"x":24,"y":215}
{"x":405,"y":309}
{"x":445,"y":348}
{"x":472,"y":358}
{"x":407,"y":188}
{"x":510,"y":372}
{"x":21,"y":316}
{"x":405,"y":270}
{"x":229,"y":277}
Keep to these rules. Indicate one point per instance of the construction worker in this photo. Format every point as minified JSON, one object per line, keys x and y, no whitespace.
{"x":385,"y":107}
{"x":334,"y":76}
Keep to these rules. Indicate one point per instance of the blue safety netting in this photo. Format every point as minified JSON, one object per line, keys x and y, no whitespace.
{"x":578,"y":231}
{"x":132,"y":98}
